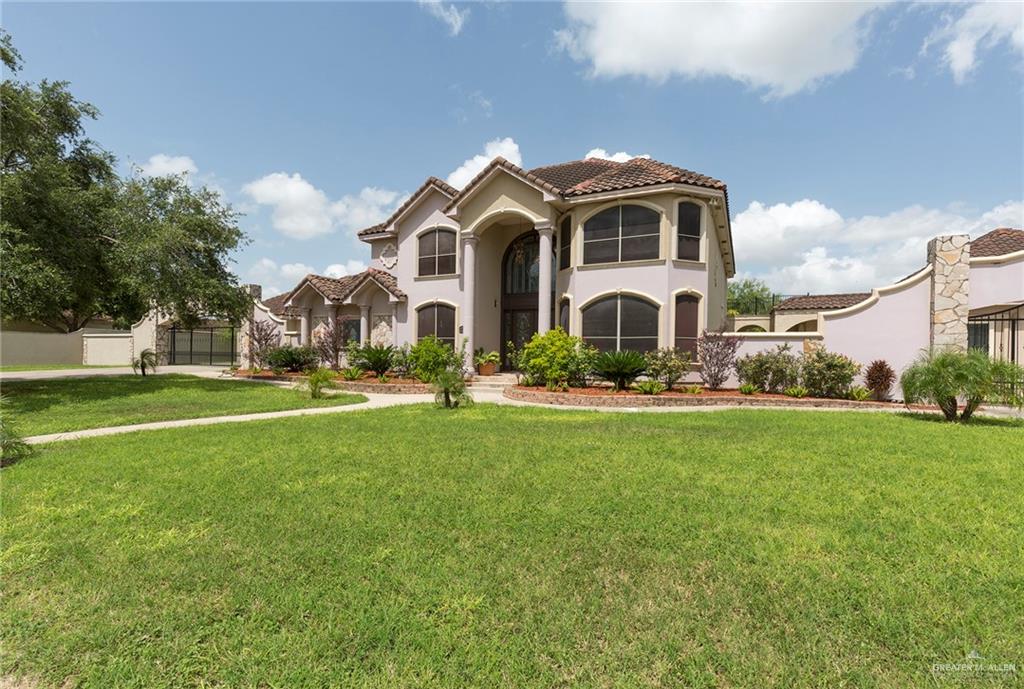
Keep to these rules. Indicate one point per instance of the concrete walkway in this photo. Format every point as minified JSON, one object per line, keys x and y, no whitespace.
{"x":202,"y":371}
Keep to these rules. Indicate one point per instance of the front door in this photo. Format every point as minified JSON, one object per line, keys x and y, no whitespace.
{"x":520,"y":280}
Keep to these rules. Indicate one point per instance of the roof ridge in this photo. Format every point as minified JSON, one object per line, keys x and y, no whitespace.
{"x":440,"y":184}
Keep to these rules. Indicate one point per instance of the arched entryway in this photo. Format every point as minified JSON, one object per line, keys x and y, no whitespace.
{"x":520,"y":283}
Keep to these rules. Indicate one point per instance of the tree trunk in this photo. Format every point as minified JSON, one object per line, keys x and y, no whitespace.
{"x":969,"y":409}
{"x":948,"y":407}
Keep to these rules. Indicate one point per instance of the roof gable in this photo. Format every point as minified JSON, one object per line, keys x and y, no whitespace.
{"x":432,"y":183}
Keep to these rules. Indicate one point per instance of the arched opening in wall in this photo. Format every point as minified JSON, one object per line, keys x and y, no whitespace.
{"x":520,"y":285}
{"x":808,"y":326}
{"x":621,"y":322}
{"x":751,"y":329}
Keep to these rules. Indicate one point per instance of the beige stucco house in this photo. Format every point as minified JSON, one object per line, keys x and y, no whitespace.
{"x":631,"y":255}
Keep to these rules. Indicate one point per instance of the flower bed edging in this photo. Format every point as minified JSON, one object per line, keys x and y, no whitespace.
{"x":569,"y":399}
{"x":384,"y":388}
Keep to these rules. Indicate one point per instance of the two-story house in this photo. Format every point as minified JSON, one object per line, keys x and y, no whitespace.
{"x":631,"y":255}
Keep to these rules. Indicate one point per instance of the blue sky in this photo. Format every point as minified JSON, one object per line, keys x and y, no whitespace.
{"x":848,"y":134}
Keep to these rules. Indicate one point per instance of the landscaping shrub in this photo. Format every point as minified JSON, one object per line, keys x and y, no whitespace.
{"x":860,"y":393}
{"x":748,"y":389}
{"x":649,"y":387}
{"x":352,"y":373}
{"x":716,"y":353}
{"x":450,"y":390}
{"x":401,"y":362}
{"x":263,"y":337}
{"x":430,"y":357}
{"x":879,"y":379}
{"x":693,"y":389}
{"x":796,"y":391}
{"x":620,"y":368}
{"x":317,"y":380}
{"x":556,"y":359}
{"x":376,"y":358}
{"x":827,"y":374}
{"x":146,"y":361}
{"x":667,"y":365}
{"x":294,"y":359}
{"x":329,"y":340}
{"x":945,"y":376}
{"x":773,"y":370}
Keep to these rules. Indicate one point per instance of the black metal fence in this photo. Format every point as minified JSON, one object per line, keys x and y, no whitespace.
{"x":998,"y":335}
{"x":209,"y":346}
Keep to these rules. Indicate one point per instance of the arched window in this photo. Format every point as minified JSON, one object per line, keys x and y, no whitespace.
{"x":564,"y":243}
{"x":688,"y":234}
{"x":437,"y":252}
{"x":437,"y":320}
{"x":622,"y":233}
{"x":621,"y":322}
{"x":563,"y":315}
{"x":687,"y":317}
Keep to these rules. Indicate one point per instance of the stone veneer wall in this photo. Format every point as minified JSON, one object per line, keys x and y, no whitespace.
{"x":949,"y":257}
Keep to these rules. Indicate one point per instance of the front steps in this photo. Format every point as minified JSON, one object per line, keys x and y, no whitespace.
{"x":496,"y":383}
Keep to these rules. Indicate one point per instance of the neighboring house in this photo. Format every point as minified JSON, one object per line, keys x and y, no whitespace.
{"x":631,"y":255}
{"x":800,"y":313}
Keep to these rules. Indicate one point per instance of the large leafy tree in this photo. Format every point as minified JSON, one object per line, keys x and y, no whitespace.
{"x":749,"y":296}
{"x":78,"y":242}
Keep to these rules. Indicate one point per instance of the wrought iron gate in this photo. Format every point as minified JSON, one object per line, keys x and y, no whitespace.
{"x":211,"y":346}
{"x":998,"y":334}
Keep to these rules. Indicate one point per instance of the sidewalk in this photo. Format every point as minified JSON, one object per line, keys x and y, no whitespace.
{"x":202,"y":371}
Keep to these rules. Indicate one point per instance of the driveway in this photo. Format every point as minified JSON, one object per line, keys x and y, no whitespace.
{"x":203,"y":371}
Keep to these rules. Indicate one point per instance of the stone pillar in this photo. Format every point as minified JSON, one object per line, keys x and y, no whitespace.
{"x":364,"y":324}
{"x":544,"y":288}
{"x":304,"y":335}
{"x":469,"y":296}
{"x":949,"y":257}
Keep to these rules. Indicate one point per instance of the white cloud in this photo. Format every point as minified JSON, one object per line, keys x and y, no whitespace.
{"x":162,"y":164}
{"x":507,"y":148}
{"x":447,"y":13}
{"x":301,"y":211}
{"x":808,"y":247}
{"x":782,"y":47}
{"x":349,"y":267}
{"x":293,"y":272}
{"x":619,"y":157}
{"x":985,"y":24}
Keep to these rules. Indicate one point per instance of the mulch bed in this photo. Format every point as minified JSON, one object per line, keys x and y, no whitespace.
{"x":605,"y":397}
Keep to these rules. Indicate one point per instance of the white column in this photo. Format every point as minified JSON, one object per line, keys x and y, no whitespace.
{"x":544,"y":289}
{"x":364,"y":324}
{"x":304,"y":330}
{"x":469,"y":295}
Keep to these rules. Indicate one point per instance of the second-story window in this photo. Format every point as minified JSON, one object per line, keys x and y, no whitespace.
{"x":564,"y":243}
{"x":622,"y":233}
{"x":437,"y":253}
{"x":688,"y":235}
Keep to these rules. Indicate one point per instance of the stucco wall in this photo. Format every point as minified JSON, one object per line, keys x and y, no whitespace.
{"x":752,"y":343}
{"x":107,"y":349}
{"x":996,"y":283}
{"x":893,"y":327}
{"x":19,"y":347}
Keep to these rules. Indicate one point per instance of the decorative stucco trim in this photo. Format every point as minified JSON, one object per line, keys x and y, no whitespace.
{"x":876,"y":294}
{"x":266,"y":309}
{"x":1004,"y":258}
{"x":298,"y":288}
{"x":496,"y":167}
{"x":485,"y":221}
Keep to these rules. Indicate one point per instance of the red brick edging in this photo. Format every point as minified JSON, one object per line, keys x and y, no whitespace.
{"x":573,"y":400}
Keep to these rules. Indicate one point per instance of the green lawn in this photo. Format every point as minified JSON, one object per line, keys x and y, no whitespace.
{"x":52,"y":367}
{"x":71,"y":404}
{"x":519,"y":547}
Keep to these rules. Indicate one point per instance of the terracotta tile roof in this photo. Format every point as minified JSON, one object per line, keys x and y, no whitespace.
{"x":277,"y":307}
{"x":641,"y":172}
{"x":568,"y":175}
{"x":821,"y":302}
{"x":339,"y":289}
{"x":434,"y":182}
{"x":998,"y":242}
